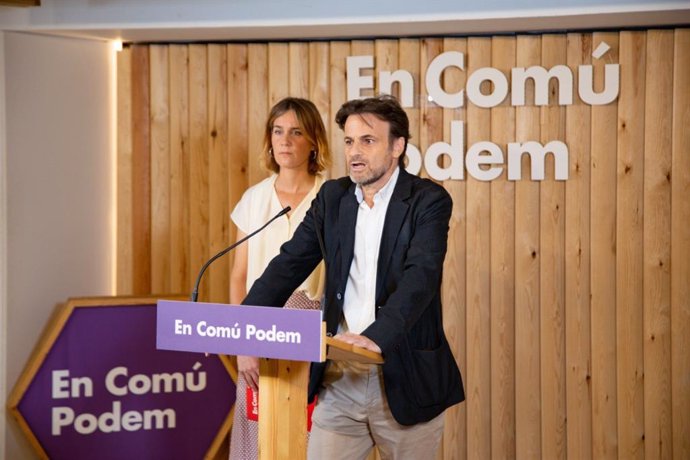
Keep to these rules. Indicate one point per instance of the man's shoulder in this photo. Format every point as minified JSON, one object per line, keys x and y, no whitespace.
{"x":424,"y":187}
{"x":337,"y":186}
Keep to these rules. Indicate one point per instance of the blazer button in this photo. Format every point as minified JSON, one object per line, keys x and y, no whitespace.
{"x":339,"y":296}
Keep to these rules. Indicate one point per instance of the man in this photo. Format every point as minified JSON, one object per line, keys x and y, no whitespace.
{"x":383,"y":235}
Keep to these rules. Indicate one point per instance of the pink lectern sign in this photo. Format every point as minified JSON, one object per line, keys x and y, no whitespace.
{"x":265,"y":332}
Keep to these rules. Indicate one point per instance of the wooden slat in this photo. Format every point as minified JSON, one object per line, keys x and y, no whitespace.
{"x":552,"y":268}
{"x":199,"y":164}
{"x":478,"y":379}
{"x":409,"y":60}
{"x":299,"y":78}
{"x":319,"y":87}
{"x":578,"y":346}
{"x":527,"y":256}
{"x":125,"y":259}
{"x":278,"y":72}
{"x":160,"y":169}
{"x":680,"y":245}
{"x":385,"y":59}
{"x":503,"y":270}
{"x":455,"y":274}
{"x":430,"y":114}
{"x":657,"y":246}
{"x":364,"y":48}
{"x":603,"y":259}
{"x":258,"y":106}
{"x":338,"y":94}
{"x":141,"y":172}
{"x":180,"y":275}
{"x":631,"y":136}
{"x":238,"y":156}
{"x":219,"y":208}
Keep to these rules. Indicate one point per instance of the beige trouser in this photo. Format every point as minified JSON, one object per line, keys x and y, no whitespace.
{"x":352,"y":416}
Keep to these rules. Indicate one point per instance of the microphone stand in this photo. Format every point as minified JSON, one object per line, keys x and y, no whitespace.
{"x":195,"y":291}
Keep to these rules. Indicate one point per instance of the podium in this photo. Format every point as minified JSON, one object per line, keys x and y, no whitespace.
{"x":285,"y":340}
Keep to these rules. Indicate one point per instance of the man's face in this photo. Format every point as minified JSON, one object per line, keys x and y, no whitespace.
{"x":371,"y":157}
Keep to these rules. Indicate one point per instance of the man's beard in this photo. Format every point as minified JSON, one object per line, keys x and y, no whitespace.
{"x":371,"y":176}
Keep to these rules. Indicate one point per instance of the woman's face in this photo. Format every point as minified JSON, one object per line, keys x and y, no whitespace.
{"x":291,"y":149}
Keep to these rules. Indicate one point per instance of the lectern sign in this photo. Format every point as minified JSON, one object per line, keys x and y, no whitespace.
{"x":240,"y":330}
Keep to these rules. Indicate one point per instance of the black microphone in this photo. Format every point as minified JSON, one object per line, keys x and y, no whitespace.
{"x":195,"y":292}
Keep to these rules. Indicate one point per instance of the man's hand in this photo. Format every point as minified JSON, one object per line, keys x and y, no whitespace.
{"x":359,"y":340}
{"x":248,"y":368}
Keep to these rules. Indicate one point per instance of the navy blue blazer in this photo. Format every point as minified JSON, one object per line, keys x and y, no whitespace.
{"x":420,"y":375}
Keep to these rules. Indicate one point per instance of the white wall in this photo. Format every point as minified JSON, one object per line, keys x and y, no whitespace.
{"x":180,"y":20}
{"x":58,"y":223}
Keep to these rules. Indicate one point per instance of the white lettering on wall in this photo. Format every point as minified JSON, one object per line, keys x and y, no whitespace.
{"x":487,"y":87}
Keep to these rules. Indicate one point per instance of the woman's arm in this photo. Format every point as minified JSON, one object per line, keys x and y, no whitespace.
{"x":247,"y":366}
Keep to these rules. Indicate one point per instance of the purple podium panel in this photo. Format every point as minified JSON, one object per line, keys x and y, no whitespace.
{"x":104,"y":391}
{"x":265,"y":332}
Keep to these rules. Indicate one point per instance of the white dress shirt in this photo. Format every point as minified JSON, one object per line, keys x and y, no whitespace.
{"x":359,"y":306}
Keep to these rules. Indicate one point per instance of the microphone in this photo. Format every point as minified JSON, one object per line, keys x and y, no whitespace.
{"x":195,"y":292}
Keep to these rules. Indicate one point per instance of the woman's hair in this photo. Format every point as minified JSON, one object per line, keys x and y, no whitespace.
{"x":313,"y":130}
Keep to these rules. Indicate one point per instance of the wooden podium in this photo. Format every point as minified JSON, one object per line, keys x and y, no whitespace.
{"x":283,"y":365}
{"x":283,"y":400}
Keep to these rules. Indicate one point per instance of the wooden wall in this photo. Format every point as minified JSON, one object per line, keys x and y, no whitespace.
{"x":567,"y":302}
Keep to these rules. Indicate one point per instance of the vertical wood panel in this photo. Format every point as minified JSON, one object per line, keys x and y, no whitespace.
{"x":199,"y":164}
{"x":552,"y":240}
{"x":603,"y":257}
{"x":552,"y":268}
{"x":141,"y":172}
{"x":364,"y":48}
{"x":319,"y":88}
{"x":160,"y":169}
{"x":430,"y":114}
{"x":125,"y":260}
{"x":338,"y":94}
{"x":238,"y":155}
{"x":657,"y":245}
{"x":385,"y":59}
{"x":631,"y":138}
{"x":478,"y":379}
{"x":503,"y":270}
{"x":218,"y":171}
{"x":299,"y":69}
{"x":279,"y":72}
{"x":409,"y":49}
{"x":680,"y":245}
{"x":180,"y":275}
{"x":258,"y":106}
{"x":578,"y":351}
{"x":527,"y":256}
{"x":455,"y":273}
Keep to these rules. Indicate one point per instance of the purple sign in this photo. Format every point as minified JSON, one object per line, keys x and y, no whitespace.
{"x":104,"y":391}
{"x":265,"y":332}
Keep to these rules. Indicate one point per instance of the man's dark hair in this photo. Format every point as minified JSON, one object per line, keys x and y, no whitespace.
{"x":384,"y":107}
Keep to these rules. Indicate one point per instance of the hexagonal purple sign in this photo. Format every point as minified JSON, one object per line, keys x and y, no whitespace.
{"x":104,"y":391}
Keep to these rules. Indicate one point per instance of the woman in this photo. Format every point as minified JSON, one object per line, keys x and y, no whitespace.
{"x":296,"y":152}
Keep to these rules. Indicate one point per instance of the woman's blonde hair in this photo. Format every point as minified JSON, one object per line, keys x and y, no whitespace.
{"x":313,"y":130}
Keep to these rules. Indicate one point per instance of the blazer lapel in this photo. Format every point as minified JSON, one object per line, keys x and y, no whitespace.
{"x":347,"y":222}
{"x":395,"y":216}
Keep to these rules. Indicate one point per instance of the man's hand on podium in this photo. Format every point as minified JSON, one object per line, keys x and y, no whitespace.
{"x":359,"y":340}
{"x":248,"y":368}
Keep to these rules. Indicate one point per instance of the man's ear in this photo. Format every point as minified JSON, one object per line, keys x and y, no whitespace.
{"x":398,"y":146}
